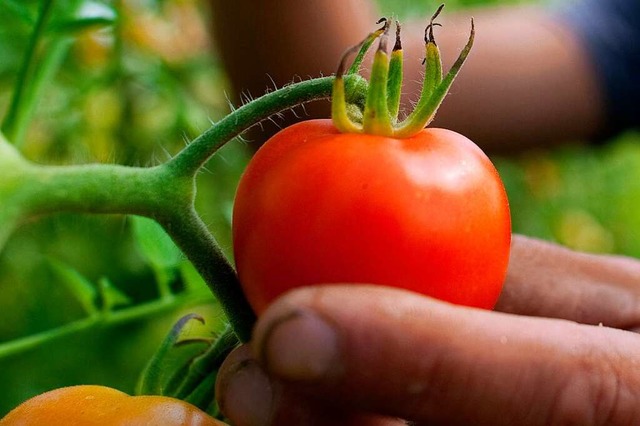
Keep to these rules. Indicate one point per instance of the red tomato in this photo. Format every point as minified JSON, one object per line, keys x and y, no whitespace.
{"x":100,"y":406}
{"x":427,"y":213}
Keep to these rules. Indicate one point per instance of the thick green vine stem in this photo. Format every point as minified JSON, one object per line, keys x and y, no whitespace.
{"x":165,"y":193}
{"x":380,"y":115}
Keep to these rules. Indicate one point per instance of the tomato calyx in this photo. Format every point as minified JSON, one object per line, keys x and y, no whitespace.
{"x":382,"y":105}
{"x":185,"y":367}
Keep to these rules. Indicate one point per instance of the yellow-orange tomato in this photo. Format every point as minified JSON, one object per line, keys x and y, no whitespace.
{"x":89,"y":405}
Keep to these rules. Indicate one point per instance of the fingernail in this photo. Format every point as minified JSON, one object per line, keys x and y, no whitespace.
{"x":299,"y":346}
{"x":246,"y":395}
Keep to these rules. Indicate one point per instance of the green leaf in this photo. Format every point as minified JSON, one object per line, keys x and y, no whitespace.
{"x":111,"y":296}
{"x":79,"y":286}
{"x":75,"y":26}
{"x":160,"y":251}
{"x":154,"y":243}
{"x":91,"y":15}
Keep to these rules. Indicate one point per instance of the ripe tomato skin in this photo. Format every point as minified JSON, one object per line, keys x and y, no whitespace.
{"x":89,"y":405}
{"x":427,"y":213}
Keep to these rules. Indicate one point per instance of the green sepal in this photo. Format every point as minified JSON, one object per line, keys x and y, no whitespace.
{"x":376,"y":118}
{"x":394,"y":79}
{"x":432,"y":73}
{"x":348,"y":117}
{"x":152,"y":380}
{"x":425,"y":111}
{"x":203,"y":365}
{"x":432,"y":79}
{"x":382,"y":105}
{"x":365,"y":45}
{"x":339,"y":111}
{"x":204,"y":392}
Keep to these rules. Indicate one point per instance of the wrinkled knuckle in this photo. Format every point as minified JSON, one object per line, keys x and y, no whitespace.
{"x":596,"y":394}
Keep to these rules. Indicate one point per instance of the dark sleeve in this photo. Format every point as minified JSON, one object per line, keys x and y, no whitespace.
{"x":610,"y":30}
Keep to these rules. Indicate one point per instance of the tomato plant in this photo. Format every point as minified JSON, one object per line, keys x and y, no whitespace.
{"x":98,"y":405}
{"x":367,"y":198}
{"x":375,"y":202}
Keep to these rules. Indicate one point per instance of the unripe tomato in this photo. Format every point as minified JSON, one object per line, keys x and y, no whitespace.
{"x":89,"y":405}
{"x":427,"y":213}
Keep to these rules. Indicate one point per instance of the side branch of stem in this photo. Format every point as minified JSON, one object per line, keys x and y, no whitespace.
{"x":165,"y":193}
{"x":194,"y":156}
{"x":153,"y":192}
{"x":108,"y":319}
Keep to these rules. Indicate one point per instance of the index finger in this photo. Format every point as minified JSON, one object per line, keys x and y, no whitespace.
{"x":548,"y":280}
{"x":392,"y":352}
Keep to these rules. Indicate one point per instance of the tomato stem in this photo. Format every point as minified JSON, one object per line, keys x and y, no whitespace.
{"x":165,"y":193}
{"x":102,"y":320}
{"x":190,"y":233}
{"x":196,"y":154}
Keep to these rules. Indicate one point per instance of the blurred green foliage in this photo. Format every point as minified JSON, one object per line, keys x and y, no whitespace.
{"x":131,"y":86}
{"x":133,"y":81}
{"x":584,"y":197}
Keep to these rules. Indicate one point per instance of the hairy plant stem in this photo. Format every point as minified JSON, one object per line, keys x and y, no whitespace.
{"x":101,"y":319}
{"x":165,"y":193}
{"x":98,"y":188}
{"x":190,"y":159}
{"x":152,"y":192}
{"x":192,"y":236}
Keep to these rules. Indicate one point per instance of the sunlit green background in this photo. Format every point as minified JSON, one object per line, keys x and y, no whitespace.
{"x":133,"y":91}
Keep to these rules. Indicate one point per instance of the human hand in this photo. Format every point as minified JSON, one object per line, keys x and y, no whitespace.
{"x":370,"y":355}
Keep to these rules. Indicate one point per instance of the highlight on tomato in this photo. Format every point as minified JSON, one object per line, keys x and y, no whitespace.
{"x":368,"y":198}
{"x":89,"y":405}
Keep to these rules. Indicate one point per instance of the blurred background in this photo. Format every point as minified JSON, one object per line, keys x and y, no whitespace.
{"x":130,"y":82}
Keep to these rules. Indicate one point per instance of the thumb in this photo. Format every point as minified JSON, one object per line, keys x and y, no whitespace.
{"x":395,"y":353}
